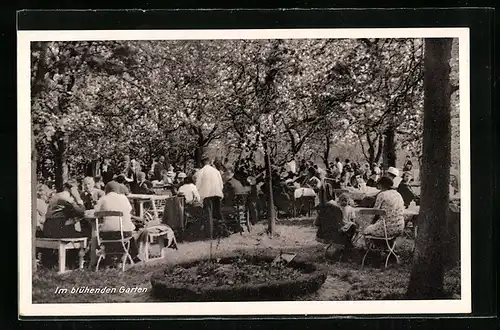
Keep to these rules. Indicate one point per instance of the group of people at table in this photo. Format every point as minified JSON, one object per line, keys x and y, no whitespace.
{"x":62,"y":214}
{"x":211,"y":191}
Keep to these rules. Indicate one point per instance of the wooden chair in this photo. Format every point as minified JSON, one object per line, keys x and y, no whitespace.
{"x":102,"y":243}
{"x":241,"y":205}
{"x":304,"y":204}
{"x":237,"y":216}
{"x":381,"y":244}
{"x":339,"y":192}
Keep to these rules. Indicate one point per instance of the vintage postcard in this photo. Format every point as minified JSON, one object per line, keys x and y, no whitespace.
{"x":244,"y":172}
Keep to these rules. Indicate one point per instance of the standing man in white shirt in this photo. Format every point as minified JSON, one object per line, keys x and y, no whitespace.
{"x":210,"y":186}
{"x":339,"y":164}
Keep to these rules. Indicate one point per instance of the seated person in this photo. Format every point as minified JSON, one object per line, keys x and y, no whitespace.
{"x":232,"y":188}
{"x":179,"y":180}
{"x":348,"y":215}
{"x":392,"y":202}
{"x":334,"y":223}
{"x":99,"y":183}
{"x":359,"y":190}
{"x":90,"y":195}
{"x":43,"y":195}
{"x":122,"y":180}
{"x":189,"y":191}
{"x":406,"y":190}
{"x":114,"y":200}
{"x":64,"y":211}
{"x":166,"y":180}
{"x":193,"y":206}
{"x":144,"y":186}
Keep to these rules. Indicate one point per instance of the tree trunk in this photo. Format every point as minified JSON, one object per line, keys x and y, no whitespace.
{"x":389,"y":158}
{"x":379,"y":148}
{"x":60,"y":164}
{"x":426,"y":280}
{"x":270,"y":199}
{"x":326,"y":153}
{"x":34,"y":212}
{"x":198,"y":153}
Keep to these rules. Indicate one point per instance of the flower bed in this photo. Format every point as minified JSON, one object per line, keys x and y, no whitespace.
{"x":237,"y":278}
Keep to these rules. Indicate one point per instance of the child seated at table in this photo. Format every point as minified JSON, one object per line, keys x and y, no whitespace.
{"x":348,"y":214}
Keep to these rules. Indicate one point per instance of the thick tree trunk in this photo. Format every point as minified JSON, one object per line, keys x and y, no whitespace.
{"x":270,"y":198}
{"x":426,"y":280}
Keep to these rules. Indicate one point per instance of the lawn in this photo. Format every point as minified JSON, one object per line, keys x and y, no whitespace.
{"x":346,"y":280}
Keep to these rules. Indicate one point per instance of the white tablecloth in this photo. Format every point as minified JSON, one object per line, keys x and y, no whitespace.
{"x":304,"y":192}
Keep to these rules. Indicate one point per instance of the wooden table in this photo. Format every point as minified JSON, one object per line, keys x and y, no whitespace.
{"x":141,"y":198}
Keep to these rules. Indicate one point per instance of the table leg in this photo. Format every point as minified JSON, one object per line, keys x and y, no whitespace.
{"x":81,"y":254}
{"x":93,"y":246}
{"x":161,"y":243}
{"x":155,"y":211}
{"x":141,"y":209}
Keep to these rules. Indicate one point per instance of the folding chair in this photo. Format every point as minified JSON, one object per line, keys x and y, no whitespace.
{"x":242,"y":211}
{"x":381,"y":244}
{"x":124,"y":241}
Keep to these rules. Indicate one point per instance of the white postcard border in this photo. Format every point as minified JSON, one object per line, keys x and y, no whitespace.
{"x":26,"y":306}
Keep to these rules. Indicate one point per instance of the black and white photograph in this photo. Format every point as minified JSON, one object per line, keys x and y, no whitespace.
{"x":244,"y":172}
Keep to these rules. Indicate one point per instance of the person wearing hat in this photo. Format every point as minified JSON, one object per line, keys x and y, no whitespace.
{"x":393,"y":173}
{"x":64,"y":211}
{"x":391,"y":201}
{"x":210,"y":187}
{"x":179,"y":179}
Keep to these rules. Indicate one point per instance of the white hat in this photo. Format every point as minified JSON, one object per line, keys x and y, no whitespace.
{"x":395,"y":183}
{"x":181,"y":175}
{"x":393,"y":171}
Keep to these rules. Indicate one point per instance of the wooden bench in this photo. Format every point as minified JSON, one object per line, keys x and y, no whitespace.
{"x":63,"y":244}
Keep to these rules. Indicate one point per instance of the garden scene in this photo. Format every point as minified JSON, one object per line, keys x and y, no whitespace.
{"x":245,"y":170}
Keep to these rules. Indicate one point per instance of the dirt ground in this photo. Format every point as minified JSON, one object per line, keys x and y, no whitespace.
{"x":346,"y":280}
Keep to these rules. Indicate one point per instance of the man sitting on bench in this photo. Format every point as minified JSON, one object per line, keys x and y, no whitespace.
{"x":61,"y":220}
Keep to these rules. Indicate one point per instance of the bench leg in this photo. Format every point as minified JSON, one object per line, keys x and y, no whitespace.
{"x":62,"y":258}
{"x":161,"y":243}
{"x":81,"y":254}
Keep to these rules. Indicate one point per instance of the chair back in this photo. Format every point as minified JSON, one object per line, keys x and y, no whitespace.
{"x":339,"y":192}
{"x":101,"y":214}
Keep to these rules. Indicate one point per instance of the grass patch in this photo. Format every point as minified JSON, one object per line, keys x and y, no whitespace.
{"x":346,"y":280}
